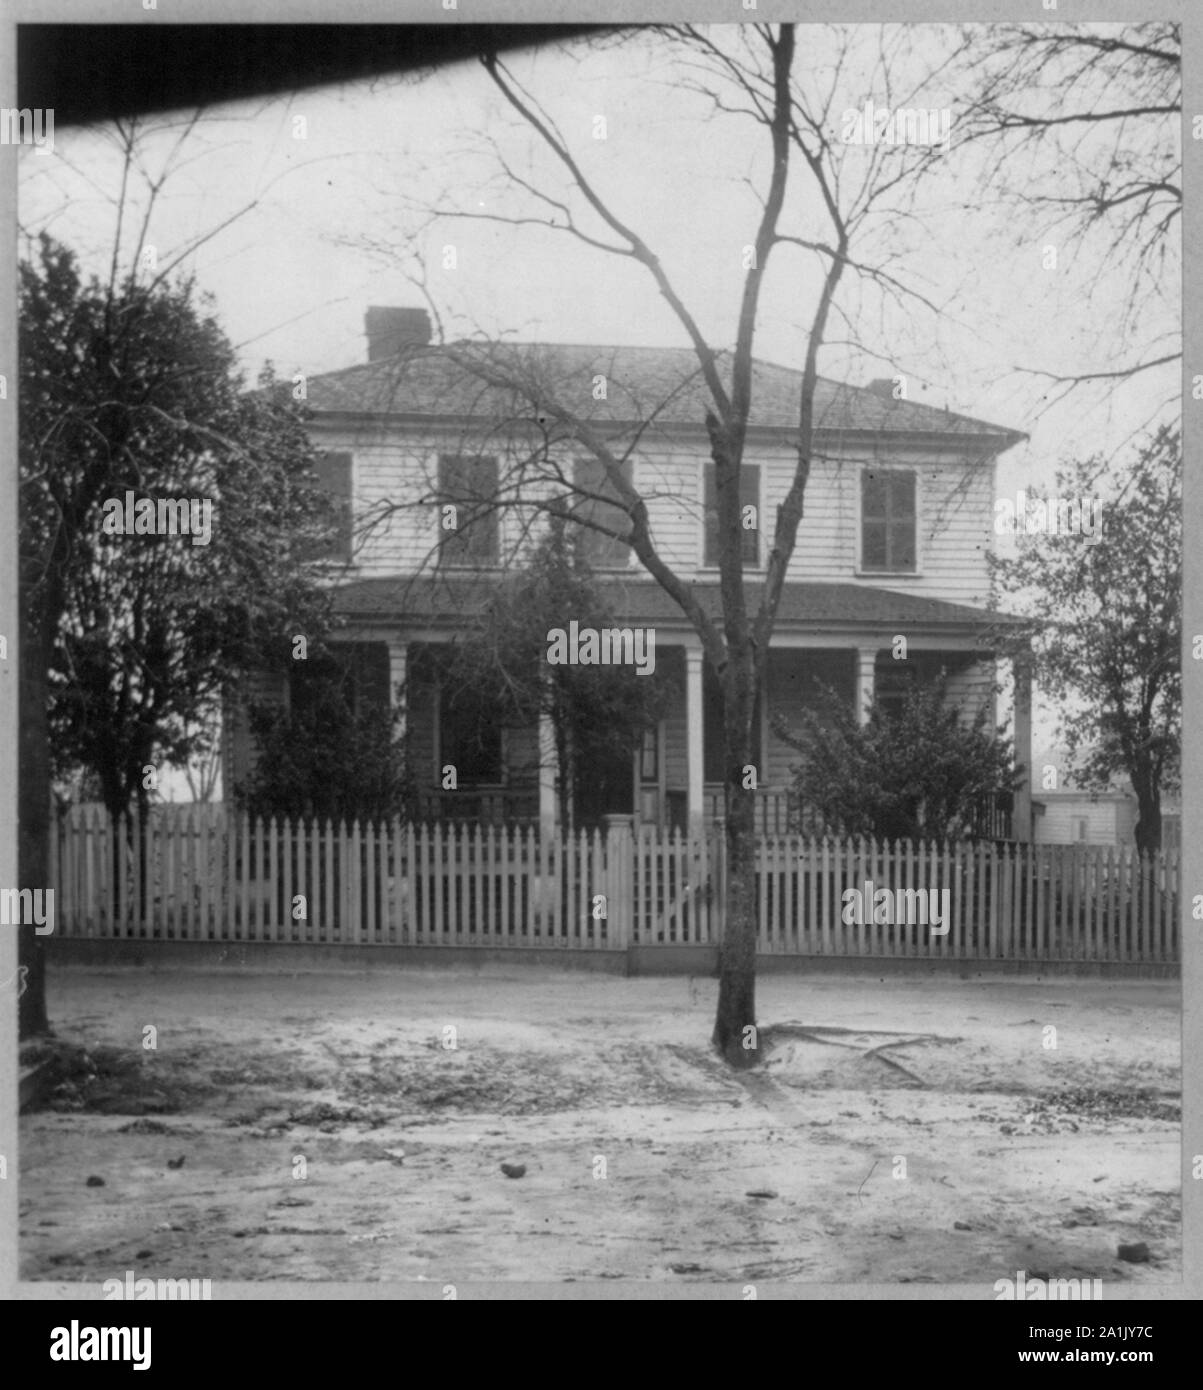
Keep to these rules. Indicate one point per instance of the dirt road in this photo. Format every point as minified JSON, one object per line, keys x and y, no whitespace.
{"x":324,"y":1127}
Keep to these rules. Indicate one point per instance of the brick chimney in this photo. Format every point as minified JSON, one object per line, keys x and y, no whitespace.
{"x":390,"y":330}
{"x":882,"y":386}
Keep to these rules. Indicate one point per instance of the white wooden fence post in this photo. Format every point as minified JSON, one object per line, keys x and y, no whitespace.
{"x":618,"y":882}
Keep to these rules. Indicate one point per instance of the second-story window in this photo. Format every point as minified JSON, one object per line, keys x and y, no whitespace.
{"x":468,"y":483}
{"x":600,"y":550}
{"x":888,"y":520}
{"x":749,"y":496}
{"x":334,"y":476}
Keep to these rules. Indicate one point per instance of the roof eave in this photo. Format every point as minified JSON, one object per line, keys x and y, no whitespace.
{"x":989,"y":443}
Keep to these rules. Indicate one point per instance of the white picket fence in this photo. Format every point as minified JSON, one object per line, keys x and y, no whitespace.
{"x":201,"y":873}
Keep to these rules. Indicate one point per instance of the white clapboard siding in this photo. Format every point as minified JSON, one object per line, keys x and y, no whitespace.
{"x":396,"y":465}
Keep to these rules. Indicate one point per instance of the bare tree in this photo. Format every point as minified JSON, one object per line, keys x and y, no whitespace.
{"x":751,"y":75}
{"x":1081,"y":126}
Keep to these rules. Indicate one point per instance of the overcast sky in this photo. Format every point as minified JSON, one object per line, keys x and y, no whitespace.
{"x":340,"y":176}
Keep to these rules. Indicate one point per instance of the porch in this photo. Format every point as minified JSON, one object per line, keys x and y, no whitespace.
{"x":855,"y":639}
{"x":673,"y":778}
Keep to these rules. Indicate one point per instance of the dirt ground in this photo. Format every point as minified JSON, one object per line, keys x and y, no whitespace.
{"x":316,"y":1127}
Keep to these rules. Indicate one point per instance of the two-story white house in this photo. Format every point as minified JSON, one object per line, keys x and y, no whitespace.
{"x":898,"y":522}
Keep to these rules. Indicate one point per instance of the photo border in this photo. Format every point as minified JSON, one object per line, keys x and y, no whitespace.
{"x":212,"y":12}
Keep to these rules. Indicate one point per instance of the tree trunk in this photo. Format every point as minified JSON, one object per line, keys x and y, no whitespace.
{"x":1148,"y":815}
{"x":33,"y":849}
{"x":565,"y":785}
{"x":735,"y":1035}
{"x":564,"y":789}
{"x":119,"y":848}
{"x":145,"y":884}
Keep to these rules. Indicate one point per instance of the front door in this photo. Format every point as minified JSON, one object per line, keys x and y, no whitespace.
{"x":605,"y":787}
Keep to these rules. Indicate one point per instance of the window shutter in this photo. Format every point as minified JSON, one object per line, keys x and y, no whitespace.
{"x":470,"y":484}
{"x":600,"y":551}
{"x":749,"y":496}
{"x":333,"y":471}
{"x":888,"y":520}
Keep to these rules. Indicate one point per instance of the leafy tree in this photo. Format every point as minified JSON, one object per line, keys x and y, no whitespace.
{"x":128,"y":640}
{"x":597,"y":713}
{"x":137,"y":392}
{"x":1107,"y":640}
{"x":332,"y":753}
{"x":93,"y":340}
{"x":918,"y":772}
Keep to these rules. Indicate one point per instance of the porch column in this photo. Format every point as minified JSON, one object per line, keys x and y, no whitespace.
{"x":1021,"y":816}
{"x":866,"y":662}
{"x":694,"y":724}
{"x":547,"y":776}
{"x":398,"y":662}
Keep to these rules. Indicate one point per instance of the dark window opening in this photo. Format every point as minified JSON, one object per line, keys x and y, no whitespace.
{"x":649,"y":755}
{"x":359,"y":671}
{"x":606,"y":787}
{"x":893,"y":680}
{"x":713,"y":747}
{"x":801,"y":679}
{"x":470,"y":738}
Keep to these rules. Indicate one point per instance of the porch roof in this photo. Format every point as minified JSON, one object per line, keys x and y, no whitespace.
{"x":445,"y":599}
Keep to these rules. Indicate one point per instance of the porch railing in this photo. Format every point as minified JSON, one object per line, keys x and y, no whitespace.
{"x":779,"y":812}
{"x":480,"y":805}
